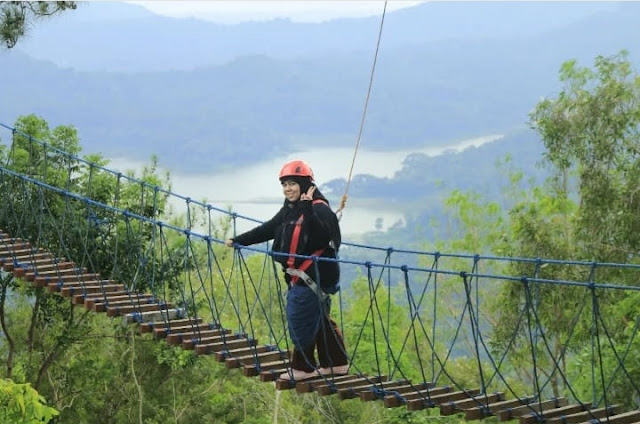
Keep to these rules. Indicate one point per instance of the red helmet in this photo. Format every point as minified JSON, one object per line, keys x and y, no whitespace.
{"x":296,"y":168}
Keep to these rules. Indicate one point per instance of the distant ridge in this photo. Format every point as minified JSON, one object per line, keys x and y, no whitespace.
{"x":118,"y":36}
{"x":255,"y":106}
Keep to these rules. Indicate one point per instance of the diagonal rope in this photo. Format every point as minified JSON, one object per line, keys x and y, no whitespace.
{"x":343,"y":201}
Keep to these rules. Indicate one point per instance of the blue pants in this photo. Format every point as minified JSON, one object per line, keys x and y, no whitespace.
{"x":303,"y":315}
{"x":311,"y":328}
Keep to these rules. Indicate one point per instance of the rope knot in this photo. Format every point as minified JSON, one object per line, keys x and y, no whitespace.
{"x":404,"y":268}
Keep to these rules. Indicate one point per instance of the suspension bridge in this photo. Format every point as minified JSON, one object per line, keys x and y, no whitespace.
{"x":532,"y":339}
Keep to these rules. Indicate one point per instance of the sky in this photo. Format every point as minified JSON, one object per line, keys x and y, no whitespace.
{"x":235,"y":11}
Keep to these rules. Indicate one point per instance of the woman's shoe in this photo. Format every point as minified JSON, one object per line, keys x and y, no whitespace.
{"x":297,"y":375}
{"x":337,"y":370}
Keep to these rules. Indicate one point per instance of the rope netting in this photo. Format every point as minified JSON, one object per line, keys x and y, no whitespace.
{"x":533,"y":330}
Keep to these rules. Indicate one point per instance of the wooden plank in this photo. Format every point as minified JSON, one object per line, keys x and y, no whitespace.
{"x":400,"y":397}
{"x":421,"y":403}
{"x":564,"y":410}
{"x":128,"y":299}
{"x":511,"y":413}
{"x":210,"y":337}
{"x":272,"y":374}
{"x":163,"y":315}
{"x":332,"y":387}
{"x":255,"y":355}
{"x":493,"y":408}
{"x":90,"y":299}
{"x":631,"y":417}
{"x":80,"y":299}
{"x":68,"y":291}
{"x":355,"y":390}
{"x":53,"y":266}
{"x":149,"y":326}
{"x":251,"y":370}
{"x":310,"y":385}
{"x":388,"y":388}
{"x":220,"y":348}
{"x":579,"y":417}
{"x":132,"y":298}
{"x":452,"y":407}
{"x":37,"y":258}
{"x":275,"y":366}
{"x":13,"y":250}
{"x":126,"y":309}
{"x":53,"y":273}
{"x":79,"y":286}
{"x":192,"y":328}
{"x":239,"y":347}
{"x":114,"y":297}
{"x":285,"y":384}
{"x":67,"y":278}
{"x":189,"y":339}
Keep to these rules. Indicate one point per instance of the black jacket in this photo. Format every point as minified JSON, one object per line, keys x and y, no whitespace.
{"x":319,"y":230}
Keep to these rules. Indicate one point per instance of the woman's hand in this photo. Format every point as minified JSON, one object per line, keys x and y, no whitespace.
{"x":229,"y":243}
{"x":309,"y":194}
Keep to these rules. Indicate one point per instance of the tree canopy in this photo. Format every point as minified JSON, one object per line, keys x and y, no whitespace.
{"x":17,"y":16}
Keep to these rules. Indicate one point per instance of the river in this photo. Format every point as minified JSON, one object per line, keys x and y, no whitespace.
{"x":254,"y":190}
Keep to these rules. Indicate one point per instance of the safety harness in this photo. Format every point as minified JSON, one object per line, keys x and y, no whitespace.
{"x":300,"y":272}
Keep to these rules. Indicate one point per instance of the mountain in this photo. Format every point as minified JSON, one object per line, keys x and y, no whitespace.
{"x":117,"y":36}
{"x":425,"y":93}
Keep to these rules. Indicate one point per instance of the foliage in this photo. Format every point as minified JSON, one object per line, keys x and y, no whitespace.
{"x":92,"y":369}
{"x":16,"y":17}
{"x":586,"y":211}
{"x":21,"y":404}
{"x":591,"y":129}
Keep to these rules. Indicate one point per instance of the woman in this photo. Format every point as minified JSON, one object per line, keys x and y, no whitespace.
{"x":305,"y":225}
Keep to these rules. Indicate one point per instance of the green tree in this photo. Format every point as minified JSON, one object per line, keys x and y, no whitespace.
{"x":586,"y":211}
{"x":17,"y":16}
{"x":591,"y":132}
{"x":21,"y":404}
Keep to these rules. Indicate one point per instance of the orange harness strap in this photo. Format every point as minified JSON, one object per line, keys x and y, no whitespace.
{"x":293,"y":247}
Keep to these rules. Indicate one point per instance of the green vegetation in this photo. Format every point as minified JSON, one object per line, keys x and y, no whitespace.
{"x":62,"y":361}
{"x":17,"y":16}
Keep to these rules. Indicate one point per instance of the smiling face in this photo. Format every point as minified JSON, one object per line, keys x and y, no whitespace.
{"x":291,"y":190}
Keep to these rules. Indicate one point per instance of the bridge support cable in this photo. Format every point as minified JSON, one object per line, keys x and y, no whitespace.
{"x":343,"y":201}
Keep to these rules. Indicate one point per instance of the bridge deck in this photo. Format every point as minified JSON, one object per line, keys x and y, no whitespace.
{"x":165,"y":322}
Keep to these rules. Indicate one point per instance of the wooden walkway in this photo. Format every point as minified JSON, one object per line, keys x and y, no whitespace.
{"x":58,"y":275}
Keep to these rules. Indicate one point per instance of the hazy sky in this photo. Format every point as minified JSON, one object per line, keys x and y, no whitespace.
{"x":234,"y":11}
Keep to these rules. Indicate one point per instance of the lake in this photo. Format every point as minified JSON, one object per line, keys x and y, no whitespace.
{"x":255,"y":191}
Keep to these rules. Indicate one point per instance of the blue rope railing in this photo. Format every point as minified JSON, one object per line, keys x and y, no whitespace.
{"x":230,"y":286}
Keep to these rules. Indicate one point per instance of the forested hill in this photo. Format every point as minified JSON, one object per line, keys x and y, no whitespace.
{"x":117,"y":36}
{"x":254,"y":106}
